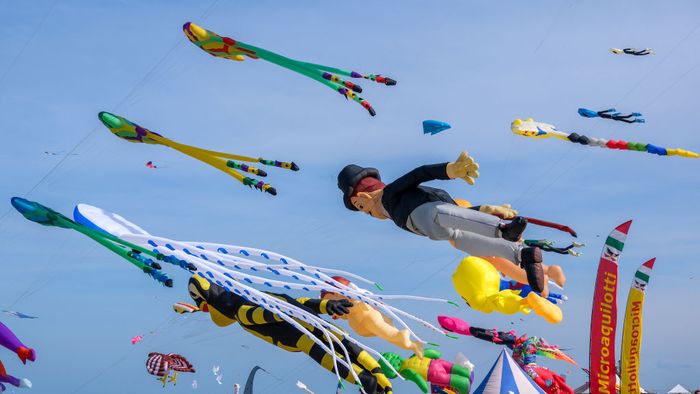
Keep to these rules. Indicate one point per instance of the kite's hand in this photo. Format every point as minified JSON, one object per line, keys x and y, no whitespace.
{"x":464,"y":167}
{"x":502,"y":211}
{"x":338,"y":307}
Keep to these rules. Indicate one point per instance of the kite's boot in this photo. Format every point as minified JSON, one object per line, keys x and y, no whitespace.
{"x":514,"y":230}
{"x":25,"y":383}
{"x":368,"y":382}
{"x":531,"y":261}
{"x":25,"y":353}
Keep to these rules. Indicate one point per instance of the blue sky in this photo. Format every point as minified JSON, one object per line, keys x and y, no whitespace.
{"x":476,"y":65}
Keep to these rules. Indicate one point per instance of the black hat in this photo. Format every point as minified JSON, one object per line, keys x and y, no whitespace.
{"x":348,"y":178}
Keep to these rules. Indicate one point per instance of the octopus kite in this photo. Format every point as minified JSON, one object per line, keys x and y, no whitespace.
{"x":533,"y":129}
{"x":162,"y":364}
{"x":225,"y":162}
{"x":223,"y":284}
{"x":10,"y":341}
{"x":525,"y":351}
{"x":228,"y":48}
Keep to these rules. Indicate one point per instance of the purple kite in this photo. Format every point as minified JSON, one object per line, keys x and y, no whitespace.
{"x":9,"y":340}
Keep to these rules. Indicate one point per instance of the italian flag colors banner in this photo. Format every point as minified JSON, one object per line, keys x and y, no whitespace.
{"x":632,"y":330}
{"x":604,"y":316}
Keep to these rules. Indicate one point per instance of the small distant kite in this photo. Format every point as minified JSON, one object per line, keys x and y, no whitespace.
{"x":301,"y":386}
{"x":129,"y":131}
{"x":194,"y":385}
{"x":632,"y":51}
{"x":228,"y":48}
{"x":533,"y":129}
{"x":183,"y":307}
{"x":19,"y":315}
{"x":151,"y":165}
{"x":433,"y":127}
{"x":160,"y":364}
{"x":611,"y":113}
{"x":136,"y":339}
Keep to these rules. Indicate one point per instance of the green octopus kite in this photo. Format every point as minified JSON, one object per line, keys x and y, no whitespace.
{"x":229,"y":48}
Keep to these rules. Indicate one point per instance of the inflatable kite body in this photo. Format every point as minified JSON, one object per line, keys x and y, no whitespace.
{"x":632,"y":51}
{"x":433,"y":127}
{"x":161,"y":365}
{"x":525,"y":351}
{"x":233,"y":272}
{"x":430,"y":370}
{"x":478,"y":282}
{"x":366,"y":321}
{"x":533,"y":129}
{"x":225,"y":162}
{"x":10,"y":341}
{"x":228,"y":48}
{"x":611,"y":113}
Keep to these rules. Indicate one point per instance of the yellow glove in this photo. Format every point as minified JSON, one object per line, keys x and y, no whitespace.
{"x":502,"y":211}
{"x":464,"y":167}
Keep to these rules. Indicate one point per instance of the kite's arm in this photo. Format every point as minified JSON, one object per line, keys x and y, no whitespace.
{"x":416,"y":378}
{"x":419,"y":175}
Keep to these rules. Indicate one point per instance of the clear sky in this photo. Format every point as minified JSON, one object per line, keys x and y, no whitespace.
{"x":475,"y":64}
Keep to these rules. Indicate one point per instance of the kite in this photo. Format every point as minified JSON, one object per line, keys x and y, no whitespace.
{"x":632,"y":51}
{"x":478,"y":282}
{"x":139,"y":256}
{"x":19,"y":315}
{"x":301,"y":386}
{"x":161,"y":365}
{"x":251,"y":378}
{"x":433,"y":127}
{"x":194,"y":384}
{"x":369,"y":322}
{"x":533,"y":129}
{"x":183,"y":307}
{"x":236,"y":388}
{"x":10,"y":341}
{"x":151,"y":165}
{"x":136,"y":339}
{"x":230,"y":273}
{"x":228,"y":48}
{"x":548,"y":246}
{"x":525,"y":351}
{"x":430,"y":370}
{"x":611,"y":113}
{"x":225,"y":162}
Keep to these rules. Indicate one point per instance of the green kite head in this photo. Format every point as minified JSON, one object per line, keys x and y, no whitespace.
{"x":125,"y":129}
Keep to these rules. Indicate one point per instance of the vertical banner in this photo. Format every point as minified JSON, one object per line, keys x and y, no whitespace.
{"x":632,"y":330}
{"x":604,"y":315}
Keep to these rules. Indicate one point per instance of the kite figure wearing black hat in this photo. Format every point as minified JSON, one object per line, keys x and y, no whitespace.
{"x":430,"y":212}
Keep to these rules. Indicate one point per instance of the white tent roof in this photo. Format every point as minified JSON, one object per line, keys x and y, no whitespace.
{"x":678,"y":389}
{"x":506,"y":377}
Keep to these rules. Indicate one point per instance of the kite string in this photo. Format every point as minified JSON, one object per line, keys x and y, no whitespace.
{"x":136,"y":87}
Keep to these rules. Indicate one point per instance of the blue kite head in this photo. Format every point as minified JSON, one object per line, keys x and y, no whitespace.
{"x":36,"y":212}
{"x":587,"y":113}
{"x":434,"y":126}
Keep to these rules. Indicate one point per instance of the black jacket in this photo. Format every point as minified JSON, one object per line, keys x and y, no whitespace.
{"x":405,"y":194}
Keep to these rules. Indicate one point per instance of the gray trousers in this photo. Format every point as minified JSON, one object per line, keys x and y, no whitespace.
{"x":472,"y":231}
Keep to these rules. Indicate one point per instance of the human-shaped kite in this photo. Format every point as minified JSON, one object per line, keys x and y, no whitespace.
{"x":611,"y":113}
{"x":430,"y":370}
{"x":433,"y":213}
{"x":369,"y":322}
{"x":632,"y":51}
